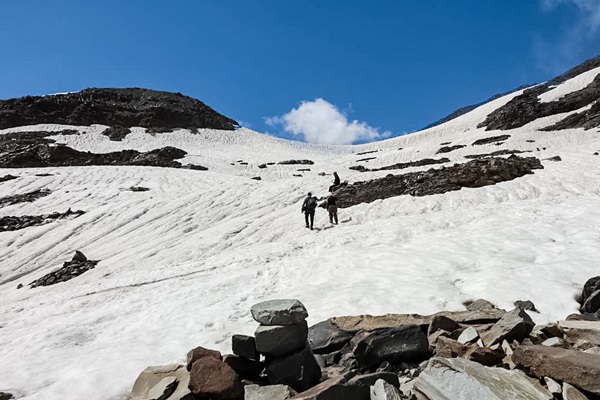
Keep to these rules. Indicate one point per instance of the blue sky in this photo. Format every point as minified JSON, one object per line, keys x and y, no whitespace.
{"x":315,"y":70}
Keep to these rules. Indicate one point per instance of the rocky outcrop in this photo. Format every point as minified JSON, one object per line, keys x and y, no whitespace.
{"x":70,"y":269}
{"x":419,"y":163}
{"x":294,"y":162}
{"x":7,"y":177}
{"x":448,"y":149}
{"x":23,"y":198}
{"x":161,"y":111}
{"x":25,"y":221}
{"x":46,"y":155}
{"x":475,"y":173}
{"x":526,"y":107}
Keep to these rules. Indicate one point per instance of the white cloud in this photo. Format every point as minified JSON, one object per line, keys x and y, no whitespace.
{"x":321,"y":122}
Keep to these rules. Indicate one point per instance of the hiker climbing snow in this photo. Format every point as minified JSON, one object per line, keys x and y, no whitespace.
{"x":308,"y":208}
{"x":332,"y":208}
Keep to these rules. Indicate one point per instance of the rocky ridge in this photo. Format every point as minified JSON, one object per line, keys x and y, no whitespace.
{"x":127,"y":107}
{"x":526,"y":107}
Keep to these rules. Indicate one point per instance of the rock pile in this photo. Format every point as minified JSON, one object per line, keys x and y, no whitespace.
{"x":480,"y":353}
{"x":475,"y":173}
{"x":8,"y":177}
{"x":70,"y":269}
{"x":25,"y":221}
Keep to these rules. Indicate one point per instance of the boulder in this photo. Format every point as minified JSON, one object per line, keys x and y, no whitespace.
{"x":526,"y":305}
{"x":590,"y":286}
{"x":449,"y":348}
{"x":571,"y":366}
{"x":149,"y":382}
{"x":279,"y":340}
{"x":244,"y":346}
{"x":270,"y":392}
{"x":405,"y":343}
{"x":588,"y":331}
{"x":246,"y":368}
{"x":592,"y":303}
{"x":279,"y":312}
{"x":382,"y":390}
{"x":212,"y":378}
{"x":481,"y":304}
{"x":515,"y":325}
{"x":458,"y":379}
{"x":79,"y":256}
{"x":326,"y":337}
{"x":298,"y":370}
{"x":199,"y":352}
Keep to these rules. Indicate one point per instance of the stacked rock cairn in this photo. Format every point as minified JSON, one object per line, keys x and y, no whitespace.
{"x":282,"y":338}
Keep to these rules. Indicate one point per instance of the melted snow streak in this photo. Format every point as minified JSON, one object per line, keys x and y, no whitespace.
{"x":182,"y":263}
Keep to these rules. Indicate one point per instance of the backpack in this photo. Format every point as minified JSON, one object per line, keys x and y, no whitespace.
{"x":312,"y":203}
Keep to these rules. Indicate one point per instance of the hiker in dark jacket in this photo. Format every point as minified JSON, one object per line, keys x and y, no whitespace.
{"x":336,"y":182}
{"x":332,"y":208}
{"x":308,"y":208}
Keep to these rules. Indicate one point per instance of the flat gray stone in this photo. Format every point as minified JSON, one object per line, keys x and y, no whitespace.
{"x":163,"y":389}
{"x":279,"y":340}
{"x":459,"y":379}
{"x":270,"y":392}
{"x":382,"y":390}
{"x":326,"y":337}
{"x":150,"y":377}
{"x":469,"y":335}
{"x":588,"y":331}
{"x":279,"y":312}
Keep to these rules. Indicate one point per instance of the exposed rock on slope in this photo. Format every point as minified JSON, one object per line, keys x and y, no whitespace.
{"x":527,"y":107}
{"x":114,"y":107}
{"x":46,"y":155}
{"x":476,"y":173}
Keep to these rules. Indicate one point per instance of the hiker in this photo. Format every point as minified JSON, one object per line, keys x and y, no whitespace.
{"x":336,"y":182}
{"x":308,"y":208}
{"x":332,"y":208}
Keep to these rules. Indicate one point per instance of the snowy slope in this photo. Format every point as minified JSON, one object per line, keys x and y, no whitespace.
{"x":181,"y":264}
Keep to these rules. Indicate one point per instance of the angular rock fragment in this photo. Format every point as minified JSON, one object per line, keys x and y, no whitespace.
{"x":326,"y":337}
{"x":570,"y":392}
{"x":382,"y":390}
{"x":574,"y":367}
{"x":515,"y":325}
{"x":245,"y":346}
{"x":150,"y":377}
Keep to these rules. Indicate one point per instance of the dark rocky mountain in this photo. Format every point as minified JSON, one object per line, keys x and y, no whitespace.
{"x":151,"y":109}
{"x":526,"y":107}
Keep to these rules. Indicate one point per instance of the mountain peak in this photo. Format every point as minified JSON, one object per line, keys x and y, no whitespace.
{"x":125,"y":107}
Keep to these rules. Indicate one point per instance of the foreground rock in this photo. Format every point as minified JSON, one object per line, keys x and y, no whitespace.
{"x":475,"y":173}
{"x":458,"y":379}
{"x":480,"y":353}
{"x":577,"y":368}
{"x":162,"y":382}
